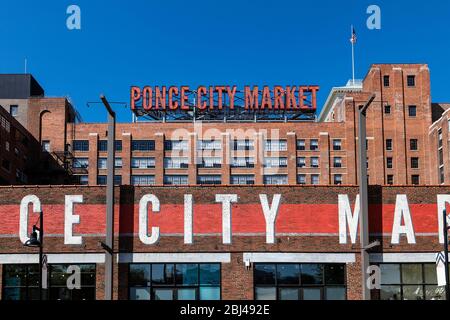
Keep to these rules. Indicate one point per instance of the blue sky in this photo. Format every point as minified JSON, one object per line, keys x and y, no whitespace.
{"x":138,"y":42}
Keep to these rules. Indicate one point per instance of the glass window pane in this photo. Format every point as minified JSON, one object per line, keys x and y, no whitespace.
{"x":83,"y":294}
{"x":288,"y":294}
{"x":163,"y":294}
{"x":434,"y":293}
{"x":33,"y":294}
{"x":334,"y":274}
{"x":430,"y":274}
{"x":288,"y":274}
{"x":413,"y":292}
{"x":390,"y":273}
{"x":139,"y":274}
{"x":14,"y":275}
{"x":209,"y":293}
{"x":138,"y":293}
{"x":312,"y":294}
{"x":186,"y":294}
{"x":412,"y":273}
{"x":60,"y":293}
{"x":312,"y":274}
{"x":390,"y":293}
{"x":162,"y":274}
{"x":264,"y":274}
{"x":210,"y":274}
{"x":335,"y":293}
{"x":265,"y":293}
{"x":14,"y":294}
{"x":186,"y":274}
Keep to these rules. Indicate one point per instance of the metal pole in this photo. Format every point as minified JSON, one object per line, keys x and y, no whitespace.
{"x":41,"y":251}
{"x":109,"y":250}
{"x":447,"y":284}
{"x":363,"y":197}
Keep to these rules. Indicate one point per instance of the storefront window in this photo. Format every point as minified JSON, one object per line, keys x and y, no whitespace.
{"x":408,"y":282}
{"x":21,"y":282}
{"x":300,"y":282}
{"x":174,"y":281}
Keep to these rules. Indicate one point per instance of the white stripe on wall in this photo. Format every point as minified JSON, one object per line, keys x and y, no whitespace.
{"x":174,"y":257}
{"x":53,"y":258}
{"x":403,"y":257}
{"x":279,"y":257}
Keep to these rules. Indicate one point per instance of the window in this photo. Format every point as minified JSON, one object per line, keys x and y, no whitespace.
{"x":142,"y":163}
{"x":301,"y":145}
{"x":301,"y":162}
{"x":80,"y":163}
{"x":103,"y":163}
{"x":6,"y":164}
{"x":175,"y":179}
{"x":81,"y":145}
{"x":273,"y":162}
{"x":241,"y":162}
{"x":209,"y":179}
{"x":21,"y":282}
{"x":176,"y":163}
{"x":441,"y":157}
{"x":337,"y":179}
{"x":413,"y":145}
{"x":390,"y":179}
{"x":209,"y":145}
{"x":142,"y":180}
{"x":46,"y":146}
{"x":7,"y":145}
{"x":389,"y":163}
{"x":389,"y":145}
{"x":387,"y":109}
{"x":314,"y":162}
{"x":14,"y":110}
{"x":411,"y":81}
{"x":5,"y":124}
{"x":386,"y":81}
{"x":412,"y":111}
{"x":142,"y":145}
{"x":83,"y":180}
{"x":102,"y":180}
{"x":243,"y":179}
{"x":276,"y":145}
{"x":337,"y":162}
{"x":337,"y":145}
{"x":415,"y":179}
{"x":210,"y":162}
{"x":409,"y":282}
{"x":103,"y":145}
{"x":301,"y":179}
{"x":243,"y":145}
{"x":177,"y":145}
{"x":314,"y":145}
{"x":315,"y":179}
{"x":276,"y":179}
{"x":440,"y":138}
{"x":415,"y":163}
{"x":299,"y":281}
{"x":174,"y":281}
{"x":441,"y":175}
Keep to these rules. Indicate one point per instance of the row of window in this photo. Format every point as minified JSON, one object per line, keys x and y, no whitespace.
{"x":410,"y":80}
{"x":414,"y":163}
{"x":412,"y":110}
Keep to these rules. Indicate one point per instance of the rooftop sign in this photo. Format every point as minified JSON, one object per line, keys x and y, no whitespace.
{"x":218,"y":98}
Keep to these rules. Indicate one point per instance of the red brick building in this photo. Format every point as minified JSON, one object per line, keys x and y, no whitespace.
{"x":280,"y":221}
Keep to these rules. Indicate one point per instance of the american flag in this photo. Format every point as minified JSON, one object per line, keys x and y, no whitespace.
{"x":353,"y":38}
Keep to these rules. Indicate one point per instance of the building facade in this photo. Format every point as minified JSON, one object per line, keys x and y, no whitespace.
{"x":226,"y":209}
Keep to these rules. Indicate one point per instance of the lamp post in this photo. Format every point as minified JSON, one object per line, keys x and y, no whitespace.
{"x":38,"y":241}
{"x":109,"y":244}
{"x":363,"y":197}
{"x":447,"y":284}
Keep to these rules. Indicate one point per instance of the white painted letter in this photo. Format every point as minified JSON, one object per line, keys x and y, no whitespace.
{"x":74,"y":20}
{"x":70,"y":219}
{"x":74,"y":280}
{"x":226,"y":200}
{"x":270,"y":214}
{"x":346,"y":217}
{"x":23,"y":223}
{"x":143,"y":219}
{"x":188,"y":204}
{"x":402,"y":211}
{"x":374,"y":21}
{"x":442,"y":200}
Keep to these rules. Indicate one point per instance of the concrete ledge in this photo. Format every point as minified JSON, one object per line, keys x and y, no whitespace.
{"x":174,"y":257}
{"x":279,"y":257}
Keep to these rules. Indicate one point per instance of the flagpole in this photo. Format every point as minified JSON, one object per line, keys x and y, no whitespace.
{"x":353,"y":56}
